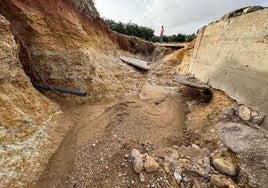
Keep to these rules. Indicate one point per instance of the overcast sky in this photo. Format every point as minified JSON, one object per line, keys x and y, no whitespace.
{"x":177,"y":16}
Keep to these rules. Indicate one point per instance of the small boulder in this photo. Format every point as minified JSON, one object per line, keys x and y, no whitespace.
{"x":137,"y":161}
{"x":221,"y":181}
{"x":224,"y":167}
{"x":150,"y":164}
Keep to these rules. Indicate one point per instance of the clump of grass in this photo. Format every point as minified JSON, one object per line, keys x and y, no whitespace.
{"x":87,"y":7}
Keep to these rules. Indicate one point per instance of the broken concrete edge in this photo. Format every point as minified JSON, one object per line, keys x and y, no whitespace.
{"x":244,"y":114}
{"x":250,"y":116}
{"x":190,"y":81}
{"x":135,"y":62}
{"x":241,"y":11}
{"x":247,"y":143}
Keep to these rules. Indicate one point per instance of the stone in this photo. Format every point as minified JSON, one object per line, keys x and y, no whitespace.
{"x":150,"y":164}
{"x":221,"y":181}
{"x":244,"y":112}
{"x":257,"y":119}
{"x":142,"y":178}
{"x":166,"y":168}
{"x":171,"y":156}
{"x":190,"y":81}
{"x":137,"y":160}
{"x":193,"y":166}
{"x":178,"y":174}
{"x":194,"y":159}
{"x":228,"y":115}
{"x":250,"y":146}
{"x":224,"y":167}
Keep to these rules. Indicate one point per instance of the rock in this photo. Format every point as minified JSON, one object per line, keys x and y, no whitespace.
{"x":150,"y":164}
{"x":224,"y":167}
{"x":171,"y":156}
{"x":166,"y":168}
{"x":257,"y":119}
{"x":244,"y":112}
{"x":178,"y":174}
{"x":192,"y":158}
{"x":228,"y":115}
{"x":250,"y":146}
{"x":193,"y":166}
{"x":190,"y":81}
{"x":137,"y":160}
{"x":221,"y":181}
{"x":142,"y":178}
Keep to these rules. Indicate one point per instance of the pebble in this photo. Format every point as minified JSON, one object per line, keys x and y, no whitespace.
{"x":177,"y":174}
{"x":137,"y":160}
{"x":166,"y":168}
{"x":150,"y":164}
{"x":224,"y":167}
{"x":142,"y":178}
{"x":244,"y":112}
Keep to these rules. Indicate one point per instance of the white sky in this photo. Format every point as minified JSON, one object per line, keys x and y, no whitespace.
{"x":177,"y":16}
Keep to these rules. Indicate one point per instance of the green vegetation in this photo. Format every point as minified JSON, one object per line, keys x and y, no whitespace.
{"x":131,"y":29}
{"x":145,"y":32}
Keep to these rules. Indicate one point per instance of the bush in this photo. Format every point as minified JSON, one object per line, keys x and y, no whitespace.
{"x":146,"y":32}
{"x":131,"y":29}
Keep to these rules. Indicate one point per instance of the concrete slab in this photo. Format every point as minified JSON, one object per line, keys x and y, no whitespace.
{"x":135,"y":62}
{"x":190,"y":81}
{"x":232,"y":55}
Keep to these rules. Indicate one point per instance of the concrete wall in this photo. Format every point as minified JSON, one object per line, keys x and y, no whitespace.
{"x":232,"y":55}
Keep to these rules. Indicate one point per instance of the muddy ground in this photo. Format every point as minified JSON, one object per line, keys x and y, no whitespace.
{"x":97,"y":150}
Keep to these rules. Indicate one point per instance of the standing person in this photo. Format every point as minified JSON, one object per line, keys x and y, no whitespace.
{"x":162,"y":33}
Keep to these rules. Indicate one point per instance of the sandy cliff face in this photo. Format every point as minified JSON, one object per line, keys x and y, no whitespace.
{"x":27,"y":119}
{"x":67,"y":45}
{"x":63,"y":46}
